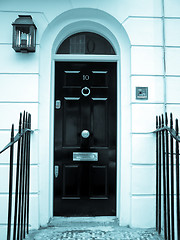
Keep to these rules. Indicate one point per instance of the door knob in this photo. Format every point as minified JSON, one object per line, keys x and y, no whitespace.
{"x":85,"y":133}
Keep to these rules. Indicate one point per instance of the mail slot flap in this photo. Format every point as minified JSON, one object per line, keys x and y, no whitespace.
{"x":85,"y":156}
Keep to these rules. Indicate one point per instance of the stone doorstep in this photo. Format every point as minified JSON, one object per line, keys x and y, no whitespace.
{"x":90,"y":228}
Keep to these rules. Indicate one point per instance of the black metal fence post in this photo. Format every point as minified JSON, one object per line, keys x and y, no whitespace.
{"x":157,"y":174}
{"x":28,"y":170}
{"x":17,"y":179}
{"x":164,"y":180}
{"x":22,"y":183}
{"x":26,"y":176}
{"x":23,"y":177}
{"x":10,"y":184}
{"x":167,"y":175}
{"x":159,"y":181}
{"x":177,"y":180}
{"x":172,"y":177}
{"x":168,"y":158}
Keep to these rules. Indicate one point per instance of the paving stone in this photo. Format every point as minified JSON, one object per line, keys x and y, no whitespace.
{"x":101,"y":228}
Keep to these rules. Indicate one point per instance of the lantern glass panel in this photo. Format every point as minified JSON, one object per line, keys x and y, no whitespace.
{"x":23,"y":37}
{"x":32,"y":36}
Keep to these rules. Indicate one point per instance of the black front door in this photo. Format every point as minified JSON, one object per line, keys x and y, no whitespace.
{"x":85,"y":139}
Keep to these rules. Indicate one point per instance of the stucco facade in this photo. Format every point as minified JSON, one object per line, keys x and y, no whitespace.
{"x":146,"y":38}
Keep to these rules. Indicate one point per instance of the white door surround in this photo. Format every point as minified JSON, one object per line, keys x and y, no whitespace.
{"x":64,"y":25}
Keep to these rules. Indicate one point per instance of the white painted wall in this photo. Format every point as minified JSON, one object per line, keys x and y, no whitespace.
{"x":143,"y":22}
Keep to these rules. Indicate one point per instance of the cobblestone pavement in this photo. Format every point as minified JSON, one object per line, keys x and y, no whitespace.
{"x":88,"y":228}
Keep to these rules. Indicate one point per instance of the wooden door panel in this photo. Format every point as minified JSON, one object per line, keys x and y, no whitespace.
{"x":71,"y":78}
{"x":85,"y":119}
{"x":71,"y":122}
{"x":99,"y":79}
{"x":71,"y":178}
{"x":98,"y":182}
{"x":100,"y":112}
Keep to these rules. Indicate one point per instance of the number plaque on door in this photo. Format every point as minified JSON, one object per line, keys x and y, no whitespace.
{"x":86,"y":77}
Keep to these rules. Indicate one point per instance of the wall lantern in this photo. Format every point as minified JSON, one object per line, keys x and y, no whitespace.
{"x":24,"y":34}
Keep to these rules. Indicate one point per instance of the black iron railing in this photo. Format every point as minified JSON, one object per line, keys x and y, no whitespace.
{"x":21,"y":200}
{"x":167,"y":177}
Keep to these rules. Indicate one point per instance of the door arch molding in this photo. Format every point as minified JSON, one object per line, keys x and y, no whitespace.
{"x":86,"y":26}
{"x":64,"y":25}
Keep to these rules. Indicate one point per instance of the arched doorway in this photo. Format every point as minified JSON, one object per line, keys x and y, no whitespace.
{"x":64,"y":25}
{"x":85,"y":121}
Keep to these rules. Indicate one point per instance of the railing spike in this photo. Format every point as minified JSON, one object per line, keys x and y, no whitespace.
{"x":177,"y":127}
{"x":171,"y":120}
{"x":166,"y":119}
{"x":157,"y":122}
{"x":24,"y":119}
{"x":162,"y":117}
{"x":20,"y":122}
{"x":12,"y":132}
{"x":29,"y":121}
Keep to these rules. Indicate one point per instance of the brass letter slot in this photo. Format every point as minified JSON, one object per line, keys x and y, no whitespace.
{"x":85,"y":156}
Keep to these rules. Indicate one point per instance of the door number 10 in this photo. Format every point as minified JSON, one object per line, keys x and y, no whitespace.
{"x":85,"y":77}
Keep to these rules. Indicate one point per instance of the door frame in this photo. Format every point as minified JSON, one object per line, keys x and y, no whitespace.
{"x":62,"y":26}
{"x":95,"y":58}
